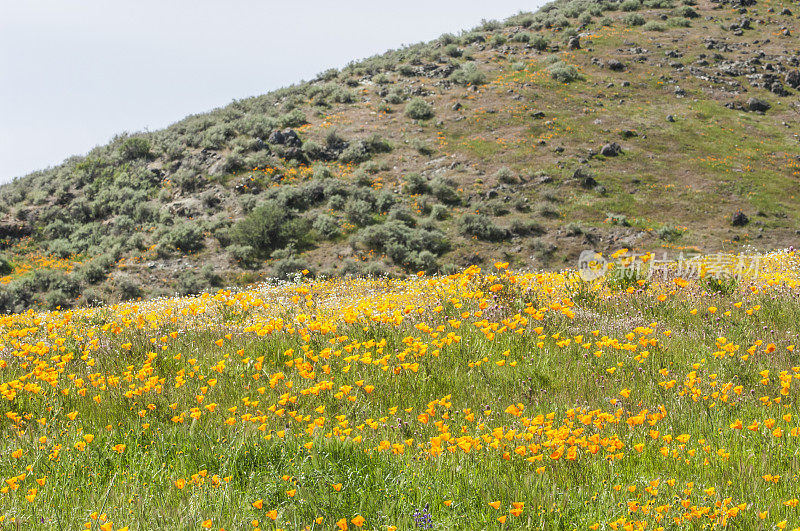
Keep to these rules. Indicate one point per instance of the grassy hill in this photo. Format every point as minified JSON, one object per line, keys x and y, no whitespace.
{"x":651,"y":125}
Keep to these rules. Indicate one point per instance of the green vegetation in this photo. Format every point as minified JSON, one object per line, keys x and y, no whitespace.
{"x":490,"y":122}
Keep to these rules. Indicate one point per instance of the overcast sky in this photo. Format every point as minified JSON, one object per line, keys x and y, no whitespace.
{"x":75,"y":73}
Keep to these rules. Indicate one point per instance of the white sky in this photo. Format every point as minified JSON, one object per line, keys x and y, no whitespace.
{"x":75,"y":73}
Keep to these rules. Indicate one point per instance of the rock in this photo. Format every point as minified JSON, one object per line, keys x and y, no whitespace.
{"x":585,"y":179}
{"x":188,"y":207}
{"x":670,"y":118}
{"x":611,"y":150}
{"x":792,"y":78}
{"x":615,"y":65}
{"x":574,"y":43}
{"x":786,"y":11}
{"x":294,"y":153}
{"x":739,"y":219}
{"x":457,"y":106}
{"x":537,"y":114}
{"x":757,"y":105}
{"x":679,"y":91}
{"x":287,"y":137}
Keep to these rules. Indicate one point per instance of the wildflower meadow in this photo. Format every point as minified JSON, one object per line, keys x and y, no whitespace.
{"x":486,"y":399}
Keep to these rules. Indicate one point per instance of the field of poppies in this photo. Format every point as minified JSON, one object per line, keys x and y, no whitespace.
{"x":488,"y":399}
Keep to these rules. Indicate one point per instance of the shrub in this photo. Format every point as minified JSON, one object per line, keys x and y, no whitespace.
{"x":686,"y":12}
{"x":289,"y":267}
{"x":573,"y":229}
{"x":6,"y":267}
{"x":128,"y":288}
{"x":539,"y":43}
{"x":403,"y":215}
{"x":96,"y":270}
{"x":493,"y":208}
{"x":326,"y":226}
{"x":482,"y":228}
{"x":498,"y":40}
{"x":452,"y":50}
{"x":191,"y":283}
{"x":418,"y":109}
{"x":678,"y":22}
{"x":406,"y":70}
{"x":337,"y":202}
{"x":359,"y":212}
{"x":547,"y":210}
{"x":526,"y":227}
{"x":634,"y":19}
{"x":630,"y":5}
{"x":135,"y":148}
{"x":654,"y":26}
{"x":385,"y":201}
{"x":444,"y":191}
{"x":563,"y":73}
{"x":439,"y":212}
{"x":413,"y":249}
{"x":504,"y":175}
{"x":468,"y":74}
{"x":415,"y":184}
{"x":422,"y":147}
{"x":669,"y":234}
{"x":244,"y":254}
{"x":184,"y":236}
{"x":354,"y":153}
{"x":268,"y":227}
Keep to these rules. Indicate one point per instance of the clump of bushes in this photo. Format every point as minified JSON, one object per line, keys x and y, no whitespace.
{"x":269,"y":227}
{"x":468,"y":74}
{"x":654,"y":26}
{"x":418,"y":109}
{"x":183,"y":236}
{"x":482,"y":227}
{"x":135,"y":148}
{"x":563,"y":72}
{"x":634,"y":19}
{"x":411,"y":248}
{"x":539,"y":43}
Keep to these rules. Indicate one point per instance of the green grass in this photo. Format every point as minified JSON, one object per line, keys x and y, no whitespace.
{"x":137,"y":487}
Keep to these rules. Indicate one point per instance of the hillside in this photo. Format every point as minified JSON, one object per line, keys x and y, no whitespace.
{"x":601,"y":125}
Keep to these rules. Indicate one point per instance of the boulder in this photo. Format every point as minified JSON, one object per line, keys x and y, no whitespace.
{"x":287,"y":137}
{"x":574,"y":43}
{"x":792,"y":78}
{"x":739,"y":219}
{"x":611,"y":150}
{"x":757,"y":105}
{"x":615,"y":65}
